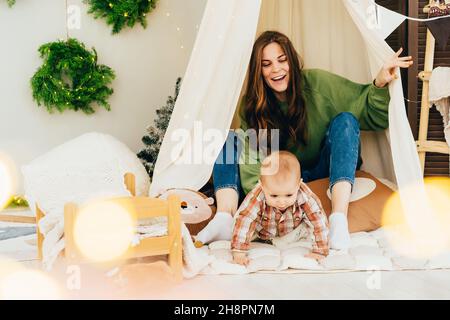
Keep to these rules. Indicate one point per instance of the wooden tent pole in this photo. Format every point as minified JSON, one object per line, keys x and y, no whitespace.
{"x":425,"y":106}
{"x":423,"y":144}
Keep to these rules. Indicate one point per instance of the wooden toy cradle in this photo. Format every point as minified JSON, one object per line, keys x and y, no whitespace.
{"x":144,"y":207}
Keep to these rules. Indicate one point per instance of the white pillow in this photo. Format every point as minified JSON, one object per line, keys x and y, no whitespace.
{"x":224,"y":267}
{"x":263,"y":251}
{"x":409,"y":263}
{"x":258,"y":245}
{"x":338,"y":262}
{"x":296,"y":250}
{"x":267,"y":263}
{"x":385,"y":243}
{"x":361,"y":235}
{"x":373,"y":262}
{"x":263,"y":256}
{"x":222,"y":254}
{"x":380,"y":233}
{"x":299,"y":236}
{"x":360,"y":250}
{"x":390,"y":253}
{"x":441,"y":261}
{"x":221,"y":244}
{"x":363,"y":241}
{"x":294,"y":258}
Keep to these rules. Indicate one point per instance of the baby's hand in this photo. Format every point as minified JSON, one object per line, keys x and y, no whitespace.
{"x":240,"y":258}
{"x":315,"y":256}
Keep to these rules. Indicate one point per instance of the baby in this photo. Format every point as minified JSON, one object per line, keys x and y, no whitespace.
{"x":277,"y":205}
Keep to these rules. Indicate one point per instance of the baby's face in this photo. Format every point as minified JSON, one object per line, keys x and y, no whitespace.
{"x":280,"y":195}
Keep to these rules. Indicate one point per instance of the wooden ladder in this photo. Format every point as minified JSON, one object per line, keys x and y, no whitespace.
{"x":423,"y":144}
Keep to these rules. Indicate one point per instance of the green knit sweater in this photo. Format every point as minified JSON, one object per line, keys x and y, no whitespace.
{"x":326,"y":95}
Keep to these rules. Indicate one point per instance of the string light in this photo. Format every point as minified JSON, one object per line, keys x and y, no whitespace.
{"x":178,"y":28}
{"x":412,"y":101}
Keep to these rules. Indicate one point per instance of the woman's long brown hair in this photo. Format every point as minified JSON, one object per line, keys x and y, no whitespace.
{"x":261,"y":108}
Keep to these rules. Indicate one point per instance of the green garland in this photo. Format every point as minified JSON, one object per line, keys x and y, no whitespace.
{"x":70,"y":78}
{"x":11,"y":2}
{"x":121,"y":13}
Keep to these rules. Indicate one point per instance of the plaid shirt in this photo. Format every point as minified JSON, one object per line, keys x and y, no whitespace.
{"x":268,"y":222}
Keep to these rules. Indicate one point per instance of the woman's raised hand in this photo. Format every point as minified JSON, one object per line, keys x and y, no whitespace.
{"x":388,"y":71}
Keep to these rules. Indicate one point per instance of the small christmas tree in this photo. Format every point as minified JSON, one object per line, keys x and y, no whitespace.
{"x":16,"y":202}
{"x":155,"y":136}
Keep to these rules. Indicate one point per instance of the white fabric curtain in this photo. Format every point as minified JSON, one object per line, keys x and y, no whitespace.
{"x":322,"y":32}
{"x":404,"y":154}
{"x":332,"y":35}
{"x":208,"y":96}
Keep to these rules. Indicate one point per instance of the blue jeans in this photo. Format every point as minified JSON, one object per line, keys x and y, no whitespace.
{"x":226,"y":169}
{"x":339,"y":157}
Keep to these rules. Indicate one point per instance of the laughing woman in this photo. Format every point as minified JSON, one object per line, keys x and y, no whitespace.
{"x":319,"y":116}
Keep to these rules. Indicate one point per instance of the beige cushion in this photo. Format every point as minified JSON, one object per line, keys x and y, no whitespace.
{"x":365,"y":212}
{"x":361,"y":188}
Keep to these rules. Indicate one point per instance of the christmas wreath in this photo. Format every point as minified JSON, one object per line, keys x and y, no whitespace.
{"x":121,"y":13}
{"x":70,"y":78}
{"x":11,"y":2}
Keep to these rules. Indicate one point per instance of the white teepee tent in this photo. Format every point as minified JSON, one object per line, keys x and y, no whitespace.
{"x":343,"y":37}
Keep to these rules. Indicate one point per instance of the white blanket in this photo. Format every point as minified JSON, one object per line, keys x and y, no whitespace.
{"x":370,"y":251}
{"x":86,"y":168}
{"x":440,"y":96}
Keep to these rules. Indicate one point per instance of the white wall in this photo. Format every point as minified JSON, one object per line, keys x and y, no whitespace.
{"x":147,"y":63}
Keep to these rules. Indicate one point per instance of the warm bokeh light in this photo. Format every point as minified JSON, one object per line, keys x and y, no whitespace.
{"x":17,"y":282}
{"x":421,"y":233}
{"x":8,"y":266}
{"x":103,"y":231}
{"x":29,"y":285}
{"x":5,"y":184}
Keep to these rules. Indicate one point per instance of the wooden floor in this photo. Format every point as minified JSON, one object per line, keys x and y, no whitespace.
{"x":391,"y":285}
{"x":433,"y":284}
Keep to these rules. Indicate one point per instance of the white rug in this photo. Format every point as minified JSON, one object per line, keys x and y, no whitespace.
{"x":369,"y":251}
{"x":17,"y":246}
